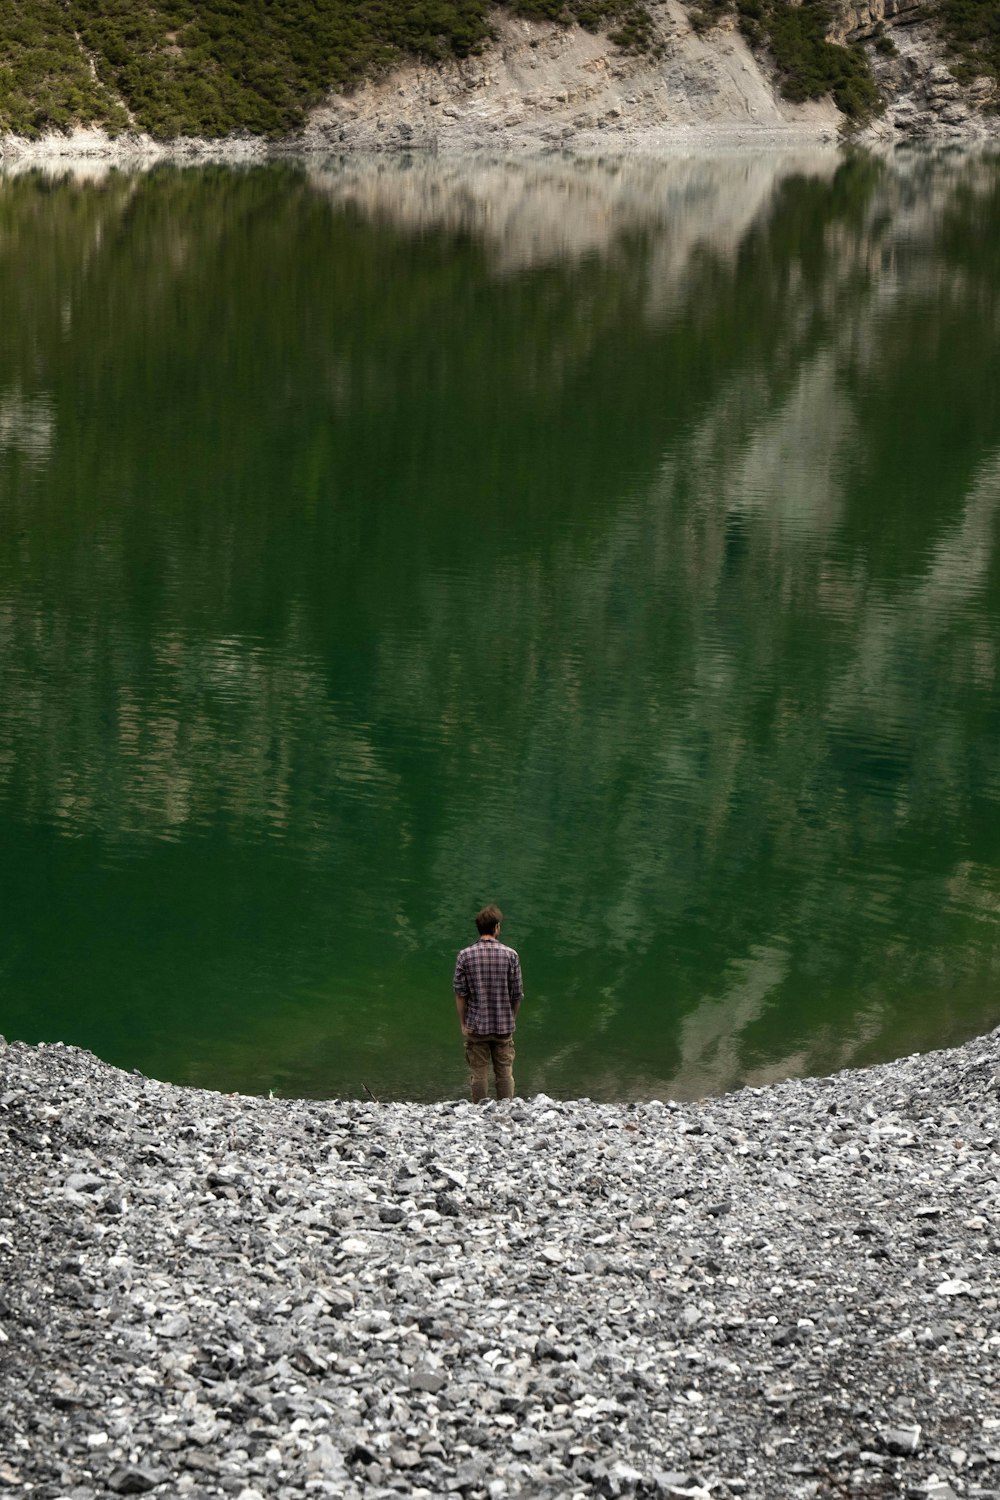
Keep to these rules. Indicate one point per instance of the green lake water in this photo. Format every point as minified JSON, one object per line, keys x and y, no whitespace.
{"x":614,"y":541}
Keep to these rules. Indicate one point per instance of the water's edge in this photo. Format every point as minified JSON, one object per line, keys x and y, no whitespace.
{"x":765,"y":1293}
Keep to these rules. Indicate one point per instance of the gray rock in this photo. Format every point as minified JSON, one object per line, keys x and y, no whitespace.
{"x":134,"y":1481}
{"x":904,"y":1441}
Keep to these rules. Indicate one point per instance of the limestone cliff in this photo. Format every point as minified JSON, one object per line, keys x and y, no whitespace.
{"x":912,"y":68}
{"x":863,"y":18}
{"x":542,"y":85}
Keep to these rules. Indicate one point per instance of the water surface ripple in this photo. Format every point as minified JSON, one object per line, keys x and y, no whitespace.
{"x":614,"y":540}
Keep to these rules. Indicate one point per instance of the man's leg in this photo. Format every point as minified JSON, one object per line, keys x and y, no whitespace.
{"x":503,"y":1066}
{"x":477,"y":1055}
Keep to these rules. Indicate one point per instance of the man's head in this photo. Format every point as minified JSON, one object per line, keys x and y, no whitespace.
{"x":488,"y":921}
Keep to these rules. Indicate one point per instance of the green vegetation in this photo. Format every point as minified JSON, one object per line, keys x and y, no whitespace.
{"x":629,"y":22}
{"x":795,"y":36}
{"x":808,"y":65}
{"x":211,"y":67}
{"x":971,"y":29}
{"x":45,"y":80}
{"x":708,"y":13}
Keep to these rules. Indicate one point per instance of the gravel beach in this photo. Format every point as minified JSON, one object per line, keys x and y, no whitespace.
{"x":781,"y":1292}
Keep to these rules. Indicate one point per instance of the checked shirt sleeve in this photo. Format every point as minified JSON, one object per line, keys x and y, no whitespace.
{"x":516,"y":982}
{"x":460,"y":983}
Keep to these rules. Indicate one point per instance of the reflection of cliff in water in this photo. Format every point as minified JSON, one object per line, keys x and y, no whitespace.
{"x":694,"y":592}
{"x":527,"y":214}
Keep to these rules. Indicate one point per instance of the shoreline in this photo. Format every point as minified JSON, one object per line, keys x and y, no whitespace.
{"x":93,"y":159}
{"x":140,"y":152}
{"x":88,"y":152}
{"x":789,"y":1291}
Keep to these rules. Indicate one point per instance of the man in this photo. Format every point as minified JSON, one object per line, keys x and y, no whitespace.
{"x":488,"y":995}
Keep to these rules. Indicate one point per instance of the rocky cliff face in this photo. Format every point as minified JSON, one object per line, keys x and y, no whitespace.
{"x":923,"y":98}
{"x":861,"y":19}
{"x":542,"y":85}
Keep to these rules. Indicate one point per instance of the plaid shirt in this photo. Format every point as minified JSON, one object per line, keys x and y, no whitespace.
{"x":488,"y":979}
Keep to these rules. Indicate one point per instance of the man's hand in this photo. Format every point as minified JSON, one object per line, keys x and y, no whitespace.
{"x":460,"y":1007}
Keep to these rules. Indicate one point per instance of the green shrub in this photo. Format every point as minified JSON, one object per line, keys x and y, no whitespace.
{"x":971,"y":29}
{"x":810,"y":66}
{"x":629,"y":22}
{"x":709,"y":13}
{"x":46,"y":83}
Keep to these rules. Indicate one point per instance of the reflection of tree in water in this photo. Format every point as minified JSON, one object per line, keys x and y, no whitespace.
{"x":677,"y":626}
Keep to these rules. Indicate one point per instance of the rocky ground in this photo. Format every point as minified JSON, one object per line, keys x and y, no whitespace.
{"x":790,"y":1292}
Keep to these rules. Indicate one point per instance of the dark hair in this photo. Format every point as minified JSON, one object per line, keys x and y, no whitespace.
{"x":488,"y":920}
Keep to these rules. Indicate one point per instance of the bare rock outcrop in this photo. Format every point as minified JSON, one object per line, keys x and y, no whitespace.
{"x":924,"y":100}
{"x":857,"y":20}
{"x":542,"y":85}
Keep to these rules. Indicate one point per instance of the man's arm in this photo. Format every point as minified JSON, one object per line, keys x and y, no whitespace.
{"x":459,"y":986}
{"x":516,"y":986}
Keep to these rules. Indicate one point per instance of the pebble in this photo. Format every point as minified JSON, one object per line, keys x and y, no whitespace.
{"x":781,"y":1293}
